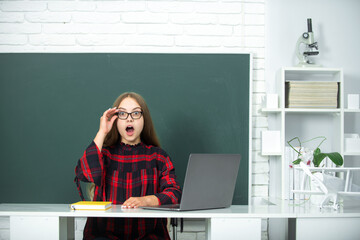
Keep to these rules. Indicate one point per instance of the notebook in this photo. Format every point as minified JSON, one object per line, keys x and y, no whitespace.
{"x":91,"y":205}
{"x":209,"y":182}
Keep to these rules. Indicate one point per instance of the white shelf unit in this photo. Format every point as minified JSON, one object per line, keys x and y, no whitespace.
{"x":306,"y":123}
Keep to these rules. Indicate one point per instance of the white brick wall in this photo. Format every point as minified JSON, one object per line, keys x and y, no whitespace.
{"x":145,"y":26}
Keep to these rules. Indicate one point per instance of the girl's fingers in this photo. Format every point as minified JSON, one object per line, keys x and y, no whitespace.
{"x":108,"y":114}
{"x":107,"y":119}
{"x":131,"y":203}
{"x":109,"y":111}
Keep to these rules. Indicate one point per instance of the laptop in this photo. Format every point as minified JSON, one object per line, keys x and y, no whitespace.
{"x":209,"y":183}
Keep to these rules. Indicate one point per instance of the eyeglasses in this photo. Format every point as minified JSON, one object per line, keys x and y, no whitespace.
{"x":134,"y":115}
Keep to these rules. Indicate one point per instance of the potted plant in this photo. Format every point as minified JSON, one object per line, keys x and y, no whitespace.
{"x":317,"y":155}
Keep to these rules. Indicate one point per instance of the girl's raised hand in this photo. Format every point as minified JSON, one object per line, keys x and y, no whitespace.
{"x":107,"y":120}
{"x":106,"y":123}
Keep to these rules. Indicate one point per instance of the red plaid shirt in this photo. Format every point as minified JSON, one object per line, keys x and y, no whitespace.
{"x":122,"y":171}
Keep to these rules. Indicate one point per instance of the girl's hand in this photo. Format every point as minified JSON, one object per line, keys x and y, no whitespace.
{"x":135,"y":202}
{"x":106,"y":123}
{"x":107,"y":120}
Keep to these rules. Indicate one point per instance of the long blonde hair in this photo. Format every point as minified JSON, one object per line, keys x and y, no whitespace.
{"x":148,"y":135}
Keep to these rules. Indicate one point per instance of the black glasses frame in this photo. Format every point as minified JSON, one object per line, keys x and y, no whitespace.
{"x":131,"y":114}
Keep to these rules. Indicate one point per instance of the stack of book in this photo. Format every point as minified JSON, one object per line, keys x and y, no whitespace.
{"x":311,"y":94}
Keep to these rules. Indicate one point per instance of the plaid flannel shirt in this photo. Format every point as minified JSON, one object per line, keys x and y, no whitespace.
{"x":122,"y":171}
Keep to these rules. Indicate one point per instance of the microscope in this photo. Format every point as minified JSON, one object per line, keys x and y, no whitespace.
{"x":310,"y":49}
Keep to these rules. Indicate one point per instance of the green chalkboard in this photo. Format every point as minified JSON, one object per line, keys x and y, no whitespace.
{"x":51,"y":104}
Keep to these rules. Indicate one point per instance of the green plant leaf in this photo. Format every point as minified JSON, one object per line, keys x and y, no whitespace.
{"x":336,"y":158}
{"x":297,"y":161}
{"x":318,"y":157}
{"x":317,"y":151}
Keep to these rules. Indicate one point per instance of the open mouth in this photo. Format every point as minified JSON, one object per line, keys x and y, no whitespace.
{"x":129,"y":129}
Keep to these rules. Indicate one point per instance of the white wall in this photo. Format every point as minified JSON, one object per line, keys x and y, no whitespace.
{"x":144,"y":26}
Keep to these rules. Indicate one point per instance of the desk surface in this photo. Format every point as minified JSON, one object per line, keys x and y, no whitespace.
{"x":282,"y":209}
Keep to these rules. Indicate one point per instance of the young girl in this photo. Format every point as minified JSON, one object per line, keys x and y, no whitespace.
{"x":128,"y":167}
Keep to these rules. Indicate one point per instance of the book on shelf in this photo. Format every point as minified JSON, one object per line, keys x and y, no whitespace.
{"x":311,"y":94}
{"x":326,"y":84}
{"x":312,"y":90}
{"x":311,"y":105}
{"x":325,"y":87}
{"x":312,"y":99}
{"x":91,"y":205}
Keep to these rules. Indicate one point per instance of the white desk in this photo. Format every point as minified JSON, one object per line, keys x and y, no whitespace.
{"x":55,"y":221}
